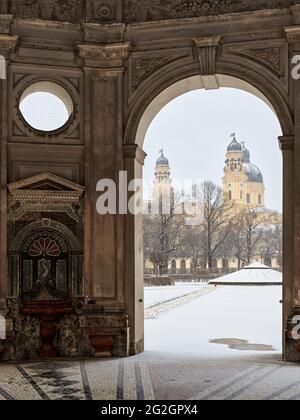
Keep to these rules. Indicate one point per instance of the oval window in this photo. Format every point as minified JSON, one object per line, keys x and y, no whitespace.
{"x":46,"y":106}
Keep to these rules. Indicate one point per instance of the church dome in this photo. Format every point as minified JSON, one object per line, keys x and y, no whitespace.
{"x":162,"y":160}
{"x":234,"y":146}
{"x":253,"y":173}
{"x":247,"y":156}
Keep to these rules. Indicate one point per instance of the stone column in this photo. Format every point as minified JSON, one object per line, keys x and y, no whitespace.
{"x":292,"y":208}
{"x":7,"y":45}
{"x":134,"y":158}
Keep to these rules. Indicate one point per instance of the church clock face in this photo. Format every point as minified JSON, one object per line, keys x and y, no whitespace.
{"x":45,"y":267}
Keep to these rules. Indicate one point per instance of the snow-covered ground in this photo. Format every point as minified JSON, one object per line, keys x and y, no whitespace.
{"x":156,"y":295}
{"x":230,"y":313}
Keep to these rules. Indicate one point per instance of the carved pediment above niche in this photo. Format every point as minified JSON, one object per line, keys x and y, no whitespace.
{"x":131,"y":11}
{"x":45,"y":187}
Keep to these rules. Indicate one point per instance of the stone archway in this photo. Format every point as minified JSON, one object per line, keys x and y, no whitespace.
{"x":280,"y":108}
{"x":196,"y":82}
{"x":120,"y":63}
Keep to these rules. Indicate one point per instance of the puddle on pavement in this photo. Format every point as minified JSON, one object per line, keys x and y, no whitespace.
{"x":243,"y":345}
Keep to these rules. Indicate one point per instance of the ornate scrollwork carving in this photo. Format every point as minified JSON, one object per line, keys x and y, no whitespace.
{"x":144,"y":10}
{"x":271,"y":57}
{"x":61,"y":10}
{"x":134,"y":10}
{"x":143,"y":67}
{"x":113,"y":55}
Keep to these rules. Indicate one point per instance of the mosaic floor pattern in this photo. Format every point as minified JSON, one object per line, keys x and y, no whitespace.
{"x":151,"y":377}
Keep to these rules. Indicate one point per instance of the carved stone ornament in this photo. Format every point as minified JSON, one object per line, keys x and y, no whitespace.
{"x":60,"y":10}
{"x":7,"y":44}
{"x":104,"y":56}
{"x":206,"y":50}
{"x":144,"y":66}
{"x":287,"y":143}
{"x":133,"y":151}
{"x":293,"y":35}
{"x":134,"y":10}
{"x":272,"y":57}
{"x":151,"y":10}
{"x":45,"y":187}
{"x":71,"y":340}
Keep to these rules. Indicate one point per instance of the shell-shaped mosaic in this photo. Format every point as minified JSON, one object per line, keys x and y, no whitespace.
{"x":44,"y":246}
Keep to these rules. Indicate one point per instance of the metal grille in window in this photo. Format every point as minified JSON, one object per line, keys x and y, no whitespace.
{"x":61,"y":276}
{"x":27,"y":275}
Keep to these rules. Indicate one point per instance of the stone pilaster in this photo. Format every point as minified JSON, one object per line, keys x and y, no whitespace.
{"x":291,"y":155}
{"x":7,"y":45}
{"x":5,"y":22}
{"x":134,"y":158}
{"x":296,"y":13}
{"x":292,"y":34}
{"x":104,"y":67}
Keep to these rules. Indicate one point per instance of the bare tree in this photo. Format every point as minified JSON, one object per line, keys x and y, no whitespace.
{"x":234,"y":243}
{"x":253,"y":233}
{"x":216,"y":212}
{"x":247,"y":235}
{"x":278,"y":238}
{"x":164,"y":235}
{"x":271,"y":243}
{"x":194,"y":240}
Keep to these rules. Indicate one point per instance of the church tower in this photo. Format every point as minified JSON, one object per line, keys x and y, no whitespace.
{"x":162,"y":180}
{"x":243,"y":182}
{"x":162,"y":185}
{"x":162,"y":170}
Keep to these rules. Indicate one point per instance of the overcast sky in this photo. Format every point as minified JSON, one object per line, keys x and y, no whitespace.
{"x":194,"y":131}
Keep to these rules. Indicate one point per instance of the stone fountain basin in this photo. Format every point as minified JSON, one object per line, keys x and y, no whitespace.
{"x":46,"y":308}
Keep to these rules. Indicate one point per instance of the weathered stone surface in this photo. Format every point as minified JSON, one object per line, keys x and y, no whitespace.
{"x":24,"y":342}
{"x":144,"y":10}
{"x":71,"y":340}
{"x":292,"y":347}
{"x":131,"y":11}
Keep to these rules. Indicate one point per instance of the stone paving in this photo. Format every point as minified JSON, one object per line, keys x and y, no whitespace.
{"x":152,"y":376}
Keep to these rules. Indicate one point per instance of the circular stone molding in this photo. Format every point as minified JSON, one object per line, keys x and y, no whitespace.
{"x":46,"y":106}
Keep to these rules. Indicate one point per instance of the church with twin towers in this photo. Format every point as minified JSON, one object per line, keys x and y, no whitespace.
{"x":242,"y":182}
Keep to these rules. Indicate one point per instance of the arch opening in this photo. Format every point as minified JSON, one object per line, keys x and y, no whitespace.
{"x":222,"y":264}
{"x":188,"y":85}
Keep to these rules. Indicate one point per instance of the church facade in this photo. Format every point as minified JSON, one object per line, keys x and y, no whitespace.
{"x":243,"y":181}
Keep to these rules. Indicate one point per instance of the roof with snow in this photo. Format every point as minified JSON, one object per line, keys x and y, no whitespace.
{"x":253,"y":275}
